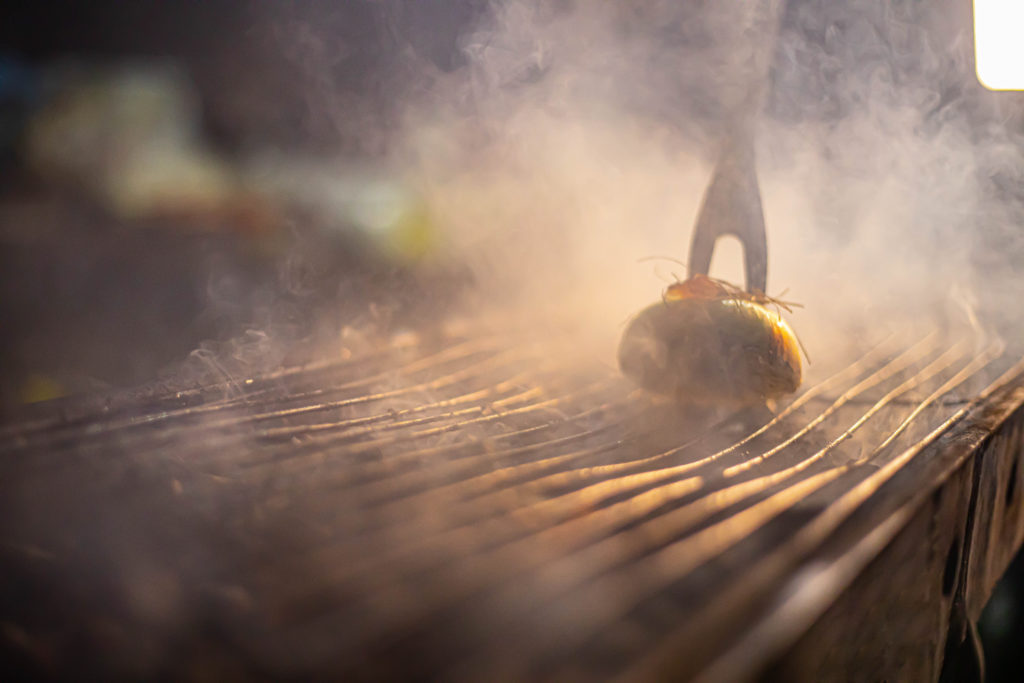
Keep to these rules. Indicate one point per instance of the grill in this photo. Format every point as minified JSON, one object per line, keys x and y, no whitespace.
{"x":470,"y":505}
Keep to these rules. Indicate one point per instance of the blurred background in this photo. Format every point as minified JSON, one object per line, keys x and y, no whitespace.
{"x":174,"y":176}
{"x":201,"y":191}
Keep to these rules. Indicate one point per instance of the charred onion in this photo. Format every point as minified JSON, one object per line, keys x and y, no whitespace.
{"x":710,"y":342}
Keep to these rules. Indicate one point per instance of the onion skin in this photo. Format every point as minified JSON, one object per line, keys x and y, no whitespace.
{"x":711,"y":351}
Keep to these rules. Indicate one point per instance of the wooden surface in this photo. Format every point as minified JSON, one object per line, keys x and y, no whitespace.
{"x":479,"y":507}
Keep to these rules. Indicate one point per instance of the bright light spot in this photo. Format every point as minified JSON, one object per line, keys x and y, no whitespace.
{"x":999,"y":43}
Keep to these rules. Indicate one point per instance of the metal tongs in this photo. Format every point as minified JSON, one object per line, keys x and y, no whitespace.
{"x":732,"y":202}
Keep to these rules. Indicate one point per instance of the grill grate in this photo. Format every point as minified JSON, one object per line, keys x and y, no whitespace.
{"x":456,"y":507}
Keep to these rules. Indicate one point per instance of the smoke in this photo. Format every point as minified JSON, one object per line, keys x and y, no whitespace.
{"x":565,"y":142}
{"x":578,"y":138}
{"x":556,"y":144}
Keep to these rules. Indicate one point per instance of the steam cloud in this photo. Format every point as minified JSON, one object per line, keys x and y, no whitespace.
{"x":572,"y":139}
{"x":579,"y":137}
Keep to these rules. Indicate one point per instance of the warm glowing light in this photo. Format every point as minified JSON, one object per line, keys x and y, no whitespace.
{"x":999,"y":43}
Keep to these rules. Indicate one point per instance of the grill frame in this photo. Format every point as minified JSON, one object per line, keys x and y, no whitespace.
{"x":430,"y":545}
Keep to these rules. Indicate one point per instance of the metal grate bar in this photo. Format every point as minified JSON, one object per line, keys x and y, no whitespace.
{"x":485,"y":504}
